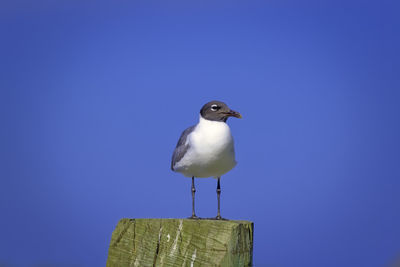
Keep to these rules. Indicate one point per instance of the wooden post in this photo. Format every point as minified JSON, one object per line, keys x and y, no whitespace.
{"x":181,"y":242}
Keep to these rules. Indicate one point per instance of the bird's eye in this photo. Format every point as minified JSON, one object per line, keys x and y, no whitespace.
{"x":214,"y":107}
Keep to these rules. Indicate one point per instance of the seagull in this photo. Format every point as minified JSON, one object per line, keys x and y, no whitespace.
{"x":206,"y":149}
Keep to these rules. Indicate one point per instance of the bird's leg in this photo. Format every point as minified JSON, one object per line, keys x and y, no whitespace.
{"x":193,"y":191}
{"x":218,"y":197}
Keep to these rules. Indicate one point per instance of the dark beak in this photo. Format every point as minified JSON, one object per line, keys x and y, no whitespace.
{"x":233,"y":113}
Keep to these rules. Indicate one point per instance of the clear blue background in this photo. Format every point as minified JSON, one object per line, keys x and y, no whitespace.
{"x":94,"y":96}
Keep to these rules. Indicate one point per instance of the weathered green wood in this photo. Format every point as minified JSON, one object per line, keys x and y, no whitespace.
{"x":181,"y":242}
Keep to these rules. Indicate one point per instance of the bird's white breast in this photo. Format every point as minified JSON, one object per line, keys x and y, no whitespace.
{"x":211,"y":138}
{"x":211,"y":151}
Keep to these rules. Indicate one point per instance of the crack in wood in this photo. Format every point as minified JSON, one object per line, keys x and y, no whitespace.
{"x":158,"y":246}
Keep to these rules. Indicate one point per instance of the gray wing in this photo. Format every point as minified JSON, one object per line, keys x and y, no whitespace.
{"x":181,"y":147}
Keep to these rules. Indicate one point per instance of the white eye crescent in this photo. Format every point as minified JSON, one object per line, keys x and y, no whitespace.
{"x":214,"y":107}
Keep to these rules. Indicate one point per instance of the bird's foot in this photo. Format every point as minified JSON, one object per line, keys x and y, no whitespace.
{"x":219,"y":218}
{"x":194,"y":217}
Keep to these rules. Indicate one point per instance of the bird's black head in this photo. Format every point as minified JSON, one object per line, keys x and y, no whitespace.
{"x":218,"y":111}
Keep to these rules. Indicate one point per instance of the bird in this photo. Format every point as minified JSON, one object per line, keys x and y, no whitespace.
{"x":207,"y":148}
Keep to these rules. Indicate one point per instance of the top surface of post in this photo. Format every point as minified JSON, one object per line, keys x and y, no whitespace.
{"x":181,"y":242}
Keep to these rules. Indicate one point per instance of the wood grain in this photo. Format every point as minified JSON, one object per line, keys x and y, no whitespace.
{"x":181,"y":242}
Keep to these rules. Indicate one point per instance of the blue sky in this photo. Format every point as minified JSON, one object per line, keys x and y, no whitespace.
{"x":94,"y":96}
